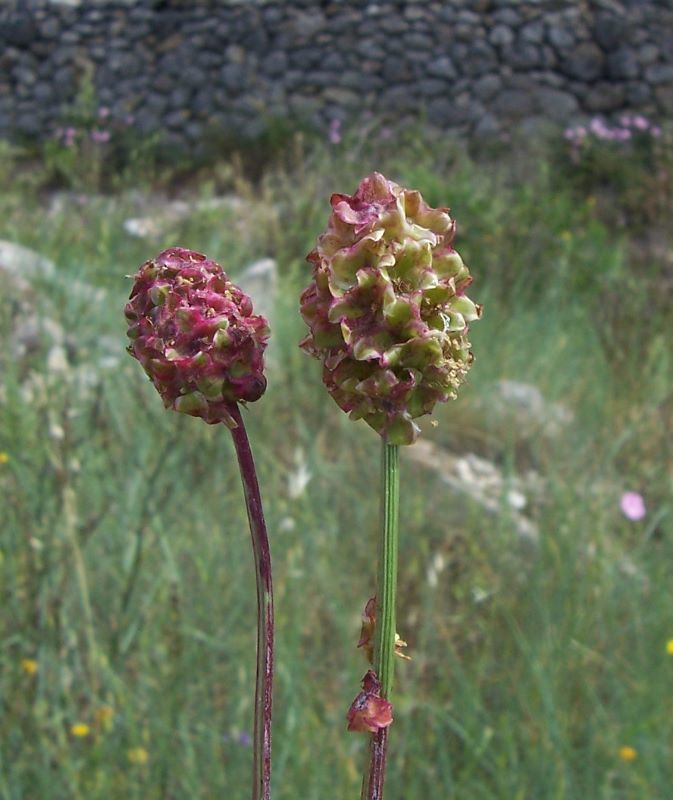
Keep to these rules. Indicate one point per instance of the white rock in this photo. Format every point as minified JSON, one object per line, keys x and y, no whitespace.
{"x":24,"y":263}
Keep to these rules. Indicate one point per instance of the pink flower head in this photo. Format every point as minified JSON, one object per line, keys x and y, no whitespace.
{"x":633,"y":506}
{"x":103,"y":112}
{"x":195,"y":335}
{"x":369,"y":712}
{"x":386,"y":309}
{"x":100,"y":136}
{"x":69,"y":135}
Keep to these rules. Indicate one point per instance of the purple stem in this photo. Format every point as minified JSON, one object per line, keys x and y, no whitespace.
{"x":261,"y":787}
{"x":378,"y":749}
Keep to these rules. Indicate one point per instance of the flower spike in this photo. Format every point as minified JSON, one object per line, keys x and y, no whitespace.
{"x":387,"y":312}
{"x":195,"y":335}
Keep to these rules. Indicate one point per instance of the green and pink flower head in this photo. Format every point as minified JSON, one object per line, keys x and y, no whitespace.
{"x":196,"y":336}
{"x":387,"y":311}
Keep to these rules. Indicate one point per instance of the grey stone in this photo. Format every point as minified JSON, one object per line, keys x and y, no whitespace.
{"x":20,"y":261}
{"x":524,"y":55}
{"x":507,"y":16}
{"x":533,"y":32}
{"x":19,"y":30}
{"x":487,"y":86}
{"x":442,"y":67}
{"x":605,"y":96}
{"x":609,"y":30}
{"x":441,"y":112}
{"x":50,"y":28}
{"x":659,"y":73}
{"x":622,"y":63}
{"x":584,"y":62}
{"x":664,"y":96}
{"x":481,"y":58}
{"x":275,"y":63}
{"x":481,"y":482}
{"x":487,"y":126}
{"x":396,"y":70}
{"x":557,"y":105}
{"x":501,"y":36}
{"x":637,"y":94}
{"x":342,"y":97}
{"x":561,"y":38}
{"x":514,"y":103}
{"x":648,"y":54}
{"x":431,"y":87}
{"x":233,"y":77}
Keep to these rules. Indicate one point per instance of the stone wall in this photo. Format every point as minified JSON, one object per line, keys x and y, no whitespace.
{"x":186,"y":67}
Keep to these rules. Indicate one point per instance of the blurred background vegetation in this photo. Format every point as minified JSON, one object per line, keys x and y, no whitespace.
{"x":537,"y":611}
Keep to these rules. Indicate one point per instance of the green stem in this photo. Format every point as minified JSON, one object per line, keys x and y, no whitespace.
{"x":386,"y":592}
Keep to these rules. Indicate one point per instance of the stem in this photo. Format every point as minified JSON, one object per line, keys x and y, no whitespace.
{"x":386,"y":592}
{"x":261,"y":776}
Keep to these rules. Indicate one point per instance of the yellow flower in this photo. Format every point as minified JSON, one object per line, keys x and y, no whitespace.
{"x":29,"y":666}
{"x":138,"y":755}
{"x":627,"y":753}
{"x":4,"y":457}
{"x":104,"y":716}
{"x":669,"y":647}
{"x":79,"y":729}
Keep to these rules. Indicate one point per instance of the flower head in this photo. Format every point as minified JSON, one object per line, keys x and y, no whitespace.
{"x":628,"y":753}
{"x":386,"y":309}
{"x":29,"y":666}
{"x":369,"y":712}
{"x":4,"y":457}
{"x":633,"y":506}
{"x":195,"y":335}
{"x":80,"y":730}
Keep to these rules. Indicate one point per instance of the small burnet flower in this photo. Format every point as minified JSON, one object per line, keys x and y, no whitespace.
{"x":627,"y":753}
{"x":633,"y":506}
{"x":195,"y":335}
{"x":386,"y":309}
{"x":369,"y":712}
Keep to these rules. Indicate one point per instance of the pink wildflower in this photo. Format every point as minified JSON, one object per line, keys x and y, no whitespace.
{"x":100,"y":136}
{"x":69,"y":135}
{"x":633,"y":506}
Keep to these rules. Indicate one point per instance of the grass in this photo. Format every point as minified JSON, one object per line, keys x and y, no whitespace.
{"x":125,"y":569}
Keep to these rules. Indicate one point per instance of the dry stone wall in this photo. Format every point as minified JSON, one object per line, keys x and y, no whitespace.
{"x":185,"y":68}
